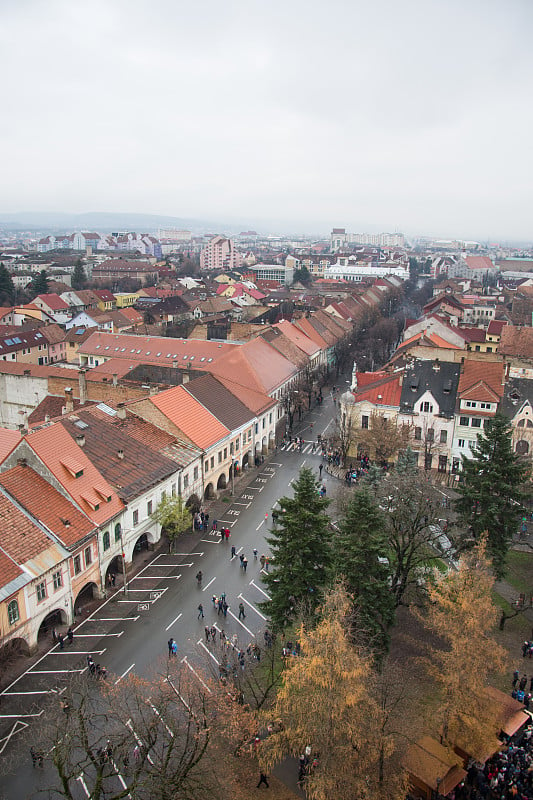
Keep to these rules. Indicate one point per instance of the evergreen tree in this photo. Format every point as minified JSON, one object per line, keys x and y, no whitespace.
{"x":300,"y":545}
{"x":39,"y":284}
{"x":79,"y":278}
{"x":358,"y":547}
{"x":492,"y":490}
{"x":7,"y":287}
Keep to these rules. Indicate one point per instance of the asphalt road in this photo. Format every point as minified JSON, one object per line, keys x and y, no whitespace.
{"x":129,"y":632}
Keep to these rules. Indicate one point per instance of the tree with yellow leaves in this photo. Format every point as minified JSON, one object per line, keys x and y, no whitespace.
{"x":462,"y":613}
{"x":327,"y":701}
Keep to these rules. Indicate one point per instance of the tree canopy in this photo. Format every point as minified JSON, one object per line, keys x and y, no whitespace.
{"x":491,"y":489}
{"x":79,"y":278}
{"x":174,"y":518}
{"x":300,"y":546}
{"x":39,"y":284}
{"x":7,"y":287}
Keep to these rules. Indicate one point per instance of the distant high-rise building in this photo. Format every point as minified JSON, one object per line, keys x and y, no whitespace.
{"x":220,"y":254}
{"x":339,"y":238}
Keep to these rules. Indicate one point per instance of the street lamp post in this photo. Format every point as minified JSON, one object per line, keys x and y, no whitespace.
{"x":233,"y":475}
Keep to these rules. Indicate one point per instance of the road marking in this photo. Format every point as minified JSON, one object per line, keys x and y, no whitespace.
{"x":139,"y":741}
{"x":256,"y":488}
{"x":99,"y":635}
{"x":187,"y":554}
{"x":241,"y":623}
{"x":274,"y":464}
{"x":253,"y":583}
{"x":209,"y":584}
{"x":131,"y":589}
{"x":236,"y":503}
{"x":156,"y":578}
{"x":114,"y":619}
{"x":184,"y":661}
{"x":85,"y":789}
{"x":230,"y":522}
{"x":15,"y":728}
{"x":261,"y":523}
{"x":169,"y":565}
{"x":303,"y":462}
{"x":169,"y":731}
{"x":42,"y":691}
{"x":211,"y":541}
{"x":53,"y":671}
{"x":124,"y":674}
{"x":79,"y":652}
{"x":247,"y":497}
{"x":173,"y":621}
{"x":208,"y":651}
{"x":21,"y":716}
{"x":119,"y":776}
{"x":251,"y":606}
{"x":127,"y":601}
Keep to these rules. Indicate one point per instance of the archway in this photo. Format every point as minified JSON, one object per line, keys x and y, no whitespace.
{"x":265,"y":446}
{"x":522,"y":447}
{"x":141,"y":546}
{"x":54,"y":619}
{"x":271,"y":441}
{"x":209,"y":493}
{"x":11,"y":651}
{"x":246,"y":459}
{"x":114,"y":572}
{"x":222,"y":482}
{"x":85,"y":596}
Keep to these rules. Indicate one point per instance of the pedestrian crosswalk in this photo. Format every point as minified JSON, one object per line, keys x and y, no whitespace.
{"x":307,"y":447}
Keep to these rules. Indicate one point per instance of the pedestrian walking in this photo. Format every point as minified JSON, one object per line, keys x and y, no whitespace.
{"x":220,"y":604}
{"x":207,"y":630}
{"x":523,"y":682}
{"x":262,"y":780}
{"x":233,"y":552}
{"x":516,"y":676}
{"x":213,"y":633}
{"x":225,"y":608}
{"x":241,"y":558}
{"x":54,"y":636}
{"x":262,"y":561}
{"x":206,"y":521}
{"x":242,"y":615}
{"x":244,"y":563}
{"x":320,"y":468}
{"x":215,"y":600}
{"x":200,"y":611}
{"x":170,"y":643}
{"x":215,"y":524}
{"x":531,"y":684}
{"x":61,"y":641}
{"x":222,"y":534}
{"x":266,"y":564}
{"x":255,"y":554}
{"x":70,"y":635}
{"x":227,"y":534}
{"x":174,"y":648}
{"x":199,"y":576}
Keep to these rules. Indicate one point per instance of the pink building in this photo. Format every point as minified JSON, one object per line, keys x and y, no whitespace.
{"x":220,"y":254}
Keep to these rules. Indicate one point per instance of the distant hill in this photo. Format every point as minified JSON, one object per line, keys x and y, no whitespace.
{"x":107,"y":222}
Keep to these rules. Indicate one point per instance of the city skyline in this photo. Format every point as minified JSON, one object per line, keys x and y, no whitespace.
{"x":409,"y":118}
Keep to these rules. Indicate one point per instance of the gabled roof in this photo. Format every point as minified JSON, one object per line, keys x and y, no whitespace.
{"x":479,"y":262}
{"x":517,"y":342}
{"x":304,"y":324}
{"x":46,"y":504}
{"x":8,"y":441}
{"x":75,"y":472}
{"x":53,"y":301}
{"x":50,"y":406}
{"x":254,"y":364}
{"x":130,"y":467}
{"x":481,"y":380}
{"x":298,"y":337}
{"x":105,"y":295}
{"x":23,"y":540}
{"x":12,"y":577}
{"x":518,"y":393}
{"x":190,"y":416}
{"x":283,"y":345}
{"x":53,"y":333}
{"x":220,"y":401}
{"x":441,"y":379}
{"x":496,"y":326}
{"x":385,"y":391}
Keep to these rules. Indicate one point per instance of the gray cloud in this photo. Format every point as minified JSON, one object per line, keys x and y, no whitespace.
{"x":411,"y":116}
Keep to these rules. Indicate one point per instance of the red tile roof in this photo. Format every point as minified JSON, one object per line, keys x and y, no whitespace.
{"x":8,"y":441}
{"x":187,"y":414}
{"x":8,"y":569}
{"x":22,"y":539}
{"x":479,"y":262}
{"x":46,"y":504}
{"x":53,"y":301}
{"x":482,"y":380}
{"x":384,"y":392}
{"x":60,"y":453}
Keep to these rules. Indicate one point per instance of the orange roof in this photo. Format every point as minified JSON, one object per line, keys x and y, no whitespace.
{"x":22,"y":539}
{"x":190,"y":416}
{"x":258,"y":402}
{"x":481,"y":380}
{"x":298,"y":337}
{"x":440,"y":342}
{"x":383,"y":392}
{"x":309,"y":330}
{"x":254,"y":364}
{"x":46,"y":504}
{"x":9,"y":571}
{"x":55,"y":447}
{"x":8,"y":440}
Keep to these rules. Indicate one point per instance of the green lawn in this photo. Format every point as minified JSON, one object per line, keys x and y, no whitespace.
{"x":520,"y":571}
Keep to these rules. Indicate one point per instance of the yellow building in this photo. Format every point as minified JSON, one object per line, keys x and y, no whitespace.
{"x":125,"y":299}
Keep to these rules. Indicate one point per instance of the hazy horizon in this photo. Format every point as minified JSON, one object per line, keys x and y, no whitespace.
{"x":411,"y":116}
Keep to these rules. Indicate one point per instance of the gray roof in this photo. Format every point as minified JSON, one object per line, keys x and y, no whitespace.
{"x":441,"y":378}
{"x":518,"y":391}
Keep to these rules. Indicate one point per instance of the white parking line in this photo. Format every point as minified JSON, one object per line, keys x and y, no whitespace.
{"x":42,"y":691}
{"x":241,"y":623}
{"x":253,"y":583}
{"x":228,"y":522}
{"x":173,"y":621}
{"x":85,"y":789}
{"x":156,"y":578}
{"x":185,"y":554}
{"x":114,"y":619}
{"x":139,"y":741}
{"x":209,"y":584}
{"x":79,"y":652}
{"x":53,"y":671}
{"x":208,"y":651}
{"x":124,"y":674}
{"x":97,"y":635}
{"x":260,"y":524}
{"x":184,"y":661}
{"x":21,"y":716}
{"x":236,"y":503}
{"x":251,"y":606}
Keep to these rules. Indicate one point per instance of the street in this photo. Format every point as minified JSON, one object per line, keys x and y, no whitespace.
{"x":128,"y":633}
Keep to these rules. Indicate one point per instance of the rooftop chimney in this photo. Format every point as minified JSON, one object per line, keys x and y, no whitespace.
{"x":121,"y":411}
{"x":82,"y":381}
{"x":80,"y":440}
{"x":69,"y":402}
{"x":120,"y":454}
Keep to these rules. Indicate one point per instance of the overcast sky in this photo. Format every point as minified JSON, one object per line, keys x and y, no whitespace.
{"x":411,"y":115}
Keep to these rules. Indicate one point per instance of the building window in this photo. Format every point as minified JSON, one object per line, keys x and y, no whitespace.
{"x":185,"y":481}
{"x":13,"y":613}
{"x":173,"y":491}
{"x":206,"y":465}
{"x":118,"y":532}
{"x":220,"y":456}
{"x":430,"y":435}
{"x":250,"y":434}
{"x":443,"y":462}
{"x":418,"y":434}
{"x":476,"y":423}
{"x":136,"y":517}
{"x":195,"y":474}
{"x":149,"y":508}
{"x":231,"y":448}
{"x":264,"y":423}
{"x":464,"y":421}
{"x":77,"y":565}
{"x":461,"y":443}
{"x":106,"y":540}
{"x":41,"y":591}
{"x":212,"y":462}
{"x":426,"y":407}
{"x":364,"y":422}
{"x":88,"y":556}
{"x":57,"y":580}
{"x":443,"y":437}
{"x":225,"y":453}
